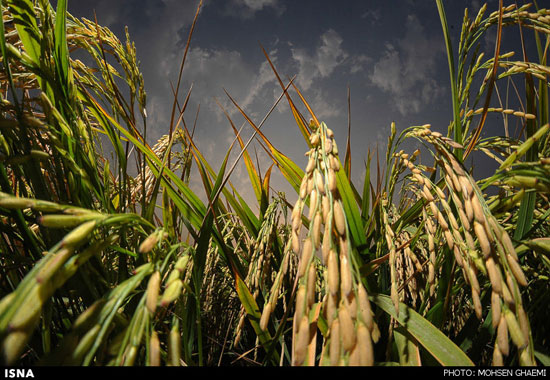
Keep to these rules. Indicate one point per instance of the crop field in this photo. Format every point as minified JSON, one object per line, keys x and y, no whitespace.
{"x":109,"y":257}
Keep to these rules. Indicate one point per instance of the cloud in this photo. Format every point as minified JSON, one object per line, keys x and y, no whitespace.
{"x":405,"y":69}
{"x":358,"y":62}
{"x":372,"y":15}
{"x":324,"y":60}
{"x":247,"y":9}
{"x":324,"y":106}
{"x":213,"y":70}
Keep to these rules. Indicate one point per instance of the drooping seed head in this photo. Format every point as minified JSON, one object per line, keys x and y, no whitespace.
{"x":347,"y":328}
{"x":477,"y":304}
{"x":302,"y":341}
{"x":364,"y":345}
{"x":345,"y":276}
{"x":79,"y":234}
{"x":312,"y":203}
{"x":307,"y":252}
{"x":311,"y":285}
{"x":507,"y":294}
{"x":314,"y":139}
{"x":333,"y":277}
{"x":171,"y":293}
{"x":334,"y":347}
{"x":514,"y":329}
{"x":264,"y":319}
{"x":325,"y":207}
{"x":484,"y":243}
{"x":318,"y":180}
{"x":502,"y":337}
{"x":300,"y":302}
{"x":304,"y":187}
{"x":516,"y":270}
{"x":327,"y":242}
{"x":295,"y":242}
{"x":495,"y":308}
{"x":494,"y":275}
{"x":339,"y":218}
{"x":498,"y":360}
{"x":153,"y":287}
{"x":364,"y":307}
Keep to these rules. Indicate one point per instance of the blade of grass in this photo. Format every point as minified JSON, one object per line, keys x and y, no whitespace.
{"x":431,"y":338}
{"x":347,"y":159}
{"x":527,"y":207}
{"x":454,"y":87}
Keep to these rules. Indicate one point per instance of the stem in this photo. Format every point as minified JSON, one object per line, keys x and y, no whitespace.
{"x":456,"y":106}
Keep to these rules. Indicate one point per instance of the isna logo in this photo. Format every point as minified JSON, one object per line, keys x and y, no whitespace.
{"x":17,"y":373}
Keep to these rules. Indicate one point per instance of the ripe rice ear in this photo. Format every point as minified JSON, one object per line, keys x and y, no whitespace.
{"x":295,"y":242}
{"x":171,"y":293}
{"x":523,"y":321}
{"x":154,"y":350}
{"x":484,"y":243}
{"x":317,"y":230}
{"x":147,"y":245}
{"x":174,"y":346}
{"x":307,"y":254}
{"x":334,"y":346}
{"x":347,"y":330}
{"x":153,"y":287}
{"x":494,"y":275}
{"x":300,"y":302}
{"x":516,"y":270}
{"x":477,"y":305}
{"x":345,"y":276}
{"x":333,"y":277}
{"x":364,"y":346}
{"x":339,"y":218}
{"x":312,"y":203}
{"x":495,"y":308}
{"x":514,"y":329}
{"x":13,"y":344}
{"x":364,"y":307}
{"x":502,"y":337}
{"x":264,"y":319}
{"x":302,"y":342}
{"x":311,"y":285}
{"x":498,"y":360}
{"x":327,"y":241}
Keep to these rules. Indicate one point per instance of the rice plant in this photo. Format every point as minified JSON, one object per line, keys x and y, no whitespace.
{"x":109,"y":258}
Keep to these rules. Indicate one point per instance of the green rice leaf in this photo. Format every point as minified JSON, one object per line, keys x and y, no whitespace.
{"x":428,"y":336}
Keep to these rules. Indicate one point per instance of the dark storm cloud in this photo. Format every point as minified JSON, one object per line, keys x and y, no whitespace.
{"x":405,"y":68}
{"x":247,"y":9}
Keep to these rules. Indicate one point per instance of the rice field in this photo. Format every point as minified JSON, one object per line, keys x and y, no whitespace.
{"x":108,"y":257}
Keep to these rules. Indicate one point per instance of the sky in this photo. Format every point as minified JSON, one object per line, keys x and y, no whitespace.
{"x":389,"y":54}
